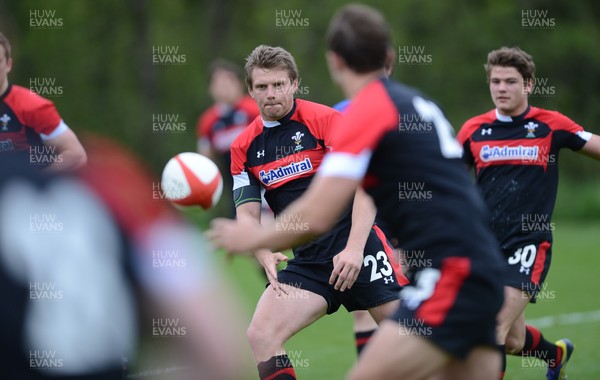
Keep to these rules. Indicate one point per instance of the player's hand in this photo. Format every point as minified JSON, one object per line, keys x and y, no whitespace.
{"x":232,"y":235}
{"x":269,"y":261}
{"x":346,"y":267}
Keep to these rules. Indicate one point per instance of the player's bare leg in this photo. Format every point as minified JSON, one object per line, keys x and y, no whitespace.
{"x":365,"y":322}
{"x":381,"y":312}
{"x":515,"y":302}
{"x":364,"y":328}
{"x":516,"y":335}
{"x":482,"y":363}
{"x":521,"y":339}
{"x":276,"y":319}
{"x":393,"y":353}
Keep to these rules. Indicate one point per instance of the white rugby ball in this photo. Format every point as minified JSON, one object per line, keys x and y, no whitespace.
{"x":191,"y":179}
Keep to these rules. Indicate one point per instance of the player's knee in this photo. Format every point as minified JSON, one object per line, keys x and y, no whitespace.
{"x":259,"y":335}
{"x":254,"y":335}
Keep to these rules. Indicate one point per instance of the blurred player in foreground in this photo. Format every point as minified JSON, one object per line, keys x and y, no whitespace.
{"x":30,"y":126}
{"x":364,"y":325}
{"x":352,"y":265}
{"x":73,"y":250}
{"x":514,"y":149}
{"x":446,"y":321}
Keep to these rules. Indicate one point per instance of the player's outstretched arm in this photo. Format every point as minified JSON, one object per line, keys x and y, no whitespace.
{"x":592,"y":147}
{"x":69,"y":150}
{"x":316,"y":211}
{"x":347,"y":263}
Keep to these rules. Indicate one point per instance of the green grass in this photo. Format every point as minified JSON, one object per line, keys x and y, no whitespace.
{"x":325,"y":350}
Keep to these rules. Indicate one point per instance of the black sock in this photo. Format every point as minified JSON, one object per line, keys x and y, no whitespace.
{"x":362,"y":338}
{"x":502,"y":349}
{"x":538,"y":347}
{"x":277,"y":368}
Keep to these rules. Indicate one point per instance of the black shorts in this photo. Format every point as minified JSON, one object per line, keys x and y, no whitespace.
{"x":527,"y":267}
{"x":453,"y":304}
{"x":379,"y":281}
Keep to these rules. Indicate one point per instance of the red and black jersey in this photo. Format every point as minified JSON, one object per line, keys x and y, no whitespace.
{"x":282,"y":157}
{"x":516,"y":162}
{"x":220,"y":124}
{"x":402,"y":144}
{"x":26,"y":121}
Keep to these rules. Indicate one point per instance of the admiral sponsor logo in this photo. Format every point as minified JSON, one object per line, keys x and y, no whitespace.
{"x":502,"y":153}
{"x":283,"y":172}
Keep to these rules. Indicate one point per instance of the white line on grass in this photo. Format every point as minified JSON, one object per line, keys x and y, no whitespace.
{"x":566,"y":319}
{"x":156,"y":372}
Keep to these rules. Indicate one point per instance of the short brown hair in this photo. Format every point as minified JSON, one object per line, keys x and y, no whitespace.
{"x":269,"y":57}
{"x":360,"y":35}
{"x":6,"y":44}
{"x":511,"y":57}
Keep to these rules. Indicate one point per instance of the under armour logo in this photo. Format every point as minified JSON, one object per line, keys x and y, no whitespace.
{"x":524,"y":270}
{"x":486,"y":131}
{"x":388,"y":279}
{"x":5,"y":119}
{"x":260,"y":153}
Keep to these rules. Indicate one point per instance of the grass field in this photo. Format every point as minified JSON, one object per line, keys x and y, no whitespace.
{"x":325,"y":350}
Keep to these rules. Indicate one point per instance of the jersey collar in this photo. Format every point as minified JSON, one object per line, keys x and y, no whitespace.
{"x":284,"y":120}
{"x":508,"y":119}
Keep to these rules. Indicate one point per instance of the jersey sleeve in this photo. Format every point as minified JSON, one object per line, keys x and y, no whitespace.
{"x":568,"y":133}
{"x":358,"y":131}
{"x":246,"y":188}
{"x":464,"y":139}
{"x":41,"y":115}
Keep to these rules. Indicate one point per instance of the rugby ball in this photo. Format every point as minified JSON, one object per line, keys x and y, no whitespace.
{"x":191,"y":179}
